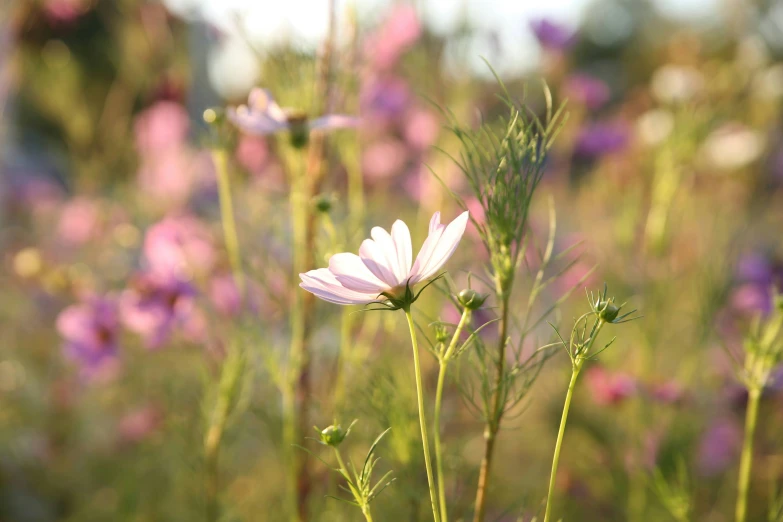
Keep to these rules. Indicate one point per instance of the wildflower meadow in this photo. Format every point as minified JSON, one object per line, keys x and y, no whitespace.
{"x":391,"y":260}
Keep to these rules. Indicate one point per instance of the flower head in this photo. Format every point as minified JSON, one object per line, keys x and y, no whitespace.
{"x":262,"y":115}
{"x":552,"y":35}
{"x":384,"y":269}
{"x":90,"y":331}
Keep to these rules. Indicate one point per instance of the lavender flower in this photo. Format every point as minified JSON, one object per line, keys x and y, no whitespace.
{"x":158,"y":304}
{"x":553,"y":36}
{"x":600,"y":139}
{"x":262,"y":115}
{"x":90,"y":331}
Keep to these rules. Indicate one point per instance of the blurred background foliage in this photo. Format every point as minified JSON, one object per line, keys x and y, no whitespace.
{"x":667,"y":175}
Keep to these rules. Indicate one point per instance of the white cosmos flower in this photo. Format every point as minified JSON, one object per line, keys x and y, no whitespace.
{"x":385,"y":264}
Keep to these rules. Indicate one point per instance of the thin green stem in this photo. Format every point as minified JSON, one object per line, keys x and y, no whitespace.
{"x":299,"y":212}
{"x":577,"y":364}
{"x":220,"y":158}
{"x":496,"y":414}
{"x":751,"y":415}
{"x":212,"y":442}
{"x":422,"y":418}
{"x":559,"y":443}
{"x":444,"y":363}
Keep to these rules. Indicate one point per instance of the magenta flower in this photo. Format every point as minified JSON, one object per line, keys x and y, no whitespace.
{"x":90,"y":331}
{"x":262,"y":116}
{"x":397,"y":34}
{"x":156,"y":305}
{"x":384,"y":265}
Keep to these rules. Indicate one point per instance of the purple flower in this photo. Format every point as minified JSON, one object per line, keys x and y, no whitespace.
{"x":262,"y":116}
{"x":90,"y":331}
{"x":757,"y":276}
{"x":551,"y":35}
{"x":719,"y":447}
{"x":384,"y":97}
{"x":587,"y":90}
{"x":156,"y":305}
{"x":600,"y":139}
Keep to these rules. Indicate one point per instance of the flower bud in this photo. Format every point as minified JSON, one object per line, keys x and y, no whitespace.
{"x":323,"y":204}
{"x":333,"y":435}
{"x":607,"y":311}
{"x":441,"y":333}
{"x":299,"y":129}
{"x":471,"y":299}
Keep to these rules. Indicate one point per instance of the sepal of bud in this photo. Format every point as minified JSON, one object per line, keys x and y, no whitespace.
{"x":333,"y":435}
{"x":441,"y":333}
{"x":607,"y":311}
{"x":471,"y":299}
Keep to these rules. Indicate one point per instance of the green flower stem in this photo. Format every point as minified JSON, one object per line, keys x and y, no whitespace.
{"x":444,"y":364}
{"x":220,"y":158}
{"x":559,"y":443}
{"x":298,"y":203}
{"x":494,"y":417}
{"x":356,"y":495}
{"x":754,"y":394}
{"x":577,"y":364}
{"x":422,"y":419}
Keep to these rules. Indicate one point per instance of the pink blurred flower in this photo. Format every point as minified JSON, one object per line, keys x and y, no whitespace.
{"x":225,"y":295}
{"x":168,"y":177}
{"x":64,"y":11}
{"x":587,"y":90}
{"x":91,"y":330}
{"x":79,"y":221}
{"x":421,"y":129}
{"x":156,"y":305}
{"x":669,"y":392}
{"x":252,"y":153}
{"x":609,"y":388}
{"x":396,"y":35}
{"x":181,"y":246}
{"x":161,"y":127}
{"x":139,"y":424}
{"x":384,"y":158}
{"x":384,"y":97}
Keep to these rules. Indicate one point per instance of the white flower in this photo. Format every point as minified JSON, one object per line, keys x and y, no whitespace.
{"x":384,"y":266}
{"x":262,"y":115}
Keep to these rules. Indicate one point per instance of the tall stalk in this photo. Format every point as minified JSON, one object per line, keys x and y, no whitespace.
{"x":751,"y":415}
{"x":493,"y":420}
{"x":422,"y":417}
{"x":444,"y":364}
{"x":228,"y":372}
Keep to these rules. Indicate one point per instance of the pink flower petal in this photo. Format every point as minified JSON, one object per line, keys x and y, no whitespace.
{"x":323,"y":284}
{"x":334,"y":121}
{"x":354,"y":275}
{"x":438,"y":247}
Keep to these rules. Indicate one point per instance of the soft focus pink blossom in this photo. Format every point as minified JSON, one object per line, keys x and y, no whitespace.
{"x":137,"y":425}
{"x":180,"y":246}
{"x":156,"y":305}
{"x":79,"y":221}
{"x":421,"y":129}
{"x":609,"y":388}
{"x":384,"y":158}
{"x":252,"y":153}
{"x":161,"y":127}
{"x":384,"y":263}
{"x":398,"y":33}
{"x":587,"y":90}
